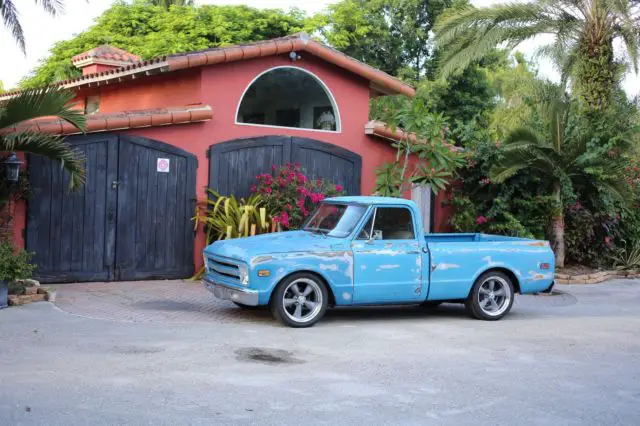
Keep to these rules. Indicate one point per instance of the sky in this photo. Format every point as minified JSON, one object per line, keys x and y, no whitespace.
{"x":42,"y":31}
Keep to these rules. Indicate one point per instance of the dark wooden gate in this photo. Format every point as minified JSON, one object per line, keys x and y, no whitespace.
{"x":233,"y":165}
{"x":129,"y":221}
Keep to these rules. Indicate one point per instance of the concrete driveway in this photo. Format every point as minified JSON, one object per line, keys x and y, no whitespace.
{"x":166,"y":353}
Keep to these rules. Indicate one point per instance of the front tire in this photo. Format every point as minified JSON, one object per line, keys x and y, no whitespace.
{"x":300,"y":300}
{"x":491,"y":297}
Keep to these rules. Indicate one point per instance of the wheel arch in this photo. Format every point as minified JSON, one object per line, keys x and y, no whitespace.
{"x":320,"y":276}
{"x":503,"y":269}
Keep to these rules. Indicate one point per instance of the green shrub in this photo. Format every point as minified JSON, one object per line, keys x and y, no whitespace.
{"x":14,"y":266}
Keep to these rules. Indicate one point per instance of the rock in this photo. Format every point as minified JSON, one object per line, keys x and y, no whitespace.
{"x":31,"y":283}
{"x":30,"y":291}
{"x":14,"y":300}
{"x":50,"y":296}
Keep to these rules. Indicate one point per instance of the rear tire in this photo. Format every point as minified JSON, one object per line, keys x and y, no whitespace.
{"x":300,"y":300}
{"x":491,"y":296}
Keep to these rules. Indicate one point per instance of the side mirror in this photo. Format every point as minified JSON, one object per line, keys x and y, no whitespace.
{"x":377,"y":235}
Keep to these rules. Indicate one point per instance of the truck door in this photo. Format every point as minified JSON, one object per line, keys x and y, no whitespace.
{"x":388,"y":258}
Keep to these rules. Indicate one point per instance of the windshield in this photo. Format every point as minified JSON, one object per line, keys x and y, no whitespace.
{"x":335,"y":220}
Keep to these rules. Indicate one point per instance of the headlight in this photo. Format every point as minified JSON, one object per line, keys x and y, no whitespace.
{"x":244,"y":274}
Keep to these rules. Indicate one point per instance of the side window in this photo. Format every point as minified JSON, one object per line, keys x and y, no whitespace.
{"x":391,"y":223}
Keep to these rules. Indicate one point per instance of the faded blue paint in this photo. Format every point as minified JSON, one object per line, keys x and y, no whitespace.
{"x":429,"y":267}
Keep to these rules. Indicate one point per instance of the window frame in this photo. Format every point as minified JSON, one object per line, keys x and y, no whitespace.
{"x":374,"y":213}
{"x":328,"y":92}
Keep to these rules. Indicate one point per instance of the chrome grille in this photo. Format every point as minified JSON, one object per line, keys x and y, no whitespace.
{"x":223,"y":267}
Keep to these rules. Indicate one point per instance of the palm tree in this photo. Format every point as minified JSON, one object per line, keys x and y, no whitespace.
{"x":557,"y":154}
{"x":9,"y":15}
{"x":43,"y":103}
{"x":584,"y":30}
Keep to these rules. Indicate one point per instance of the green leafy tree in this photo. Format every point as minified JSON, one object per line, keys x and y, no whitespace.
{"x":168,"y":3}
{"x":424,"y":154}
{"x":11,"y":20}
{"x":393,"y":35}
{"x":147,"y":31}
{"x":585,"y":33}
{"x":43,"y":103}
{"x":556,"y":152}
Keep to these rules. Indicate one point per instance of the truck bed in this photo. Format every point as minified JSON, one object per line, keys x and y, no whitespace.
{"x":469,"y":238}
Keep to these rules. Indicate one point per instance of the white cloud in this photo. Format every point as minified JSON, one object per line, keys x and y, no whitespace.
{"x":42,"y":31}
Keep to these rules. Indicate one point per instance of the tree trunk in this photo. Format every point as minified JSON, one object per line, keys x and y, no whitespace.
{"x":596,"y":73}
{"x":557,"y":232}
{"x":556,"y":228}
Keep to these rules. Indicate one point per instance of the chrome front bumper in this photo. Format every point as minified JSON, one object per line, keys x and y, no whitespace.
{"x":239,"y":295}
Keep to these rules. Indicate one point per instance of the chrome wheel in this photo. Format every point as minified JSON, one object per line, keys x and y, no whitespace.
{"x":302,"y":300}
{"x":494,"y":296}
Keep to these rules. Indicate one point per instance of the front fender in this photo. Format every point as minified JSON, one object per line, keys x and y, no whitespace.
{"x":335,"y":267}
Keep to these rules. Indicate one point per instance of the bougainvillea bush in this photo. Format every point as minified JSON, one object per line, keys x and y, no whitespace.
{"x":291,"y":195}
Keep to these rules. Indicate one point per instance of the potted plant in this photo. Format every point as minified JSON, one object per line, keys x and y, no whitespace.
{"x":13,"y":266}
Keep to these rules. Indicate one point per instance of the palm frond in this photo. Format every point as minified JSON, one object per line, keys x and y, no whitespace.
{"x":41,"y":103}
{"x":52,"y":147}
{"x":12,"y":23}
{"x":52,"y":7}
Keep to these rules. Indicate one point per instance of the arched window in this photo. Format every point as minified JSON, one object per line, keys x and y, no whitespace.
{"x":289,"y":97}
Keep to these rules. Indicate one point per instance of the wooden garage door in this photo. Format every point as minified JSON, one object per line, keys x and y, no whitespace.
{"x":233,"y":165}
{"x":131,"y":220}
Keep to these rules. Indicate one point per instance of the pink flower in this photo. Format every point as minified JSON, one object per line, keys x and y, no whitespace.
{"x":485,"y":181}
{"x":481,"y":219}
{"x":302,"y":179}
{"x":607,"y":240}
{"x":273,"y":167}
{"x":284,"y":218}
{"x":289,"y":206}
{"x":267,"y":190}
{"x":339,"y":188}
{"x":253,"y":188}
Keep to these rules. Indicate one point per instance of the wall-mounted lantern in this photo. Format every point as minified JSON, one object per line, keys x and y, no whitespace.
{"x":12,"y":167}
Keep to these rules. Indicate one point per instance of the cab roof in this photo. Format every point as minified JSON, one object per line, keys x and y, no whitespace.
{"x":372,"y":200}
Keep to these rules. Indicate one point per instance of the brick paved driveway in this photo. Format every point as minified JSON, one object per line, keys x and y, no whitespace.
{"x":150,"y":301}
{"x":183,"y":301}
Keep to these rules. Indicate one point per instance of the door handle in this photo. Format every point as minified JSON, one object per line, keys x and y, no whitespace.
{"x":115,"y":184}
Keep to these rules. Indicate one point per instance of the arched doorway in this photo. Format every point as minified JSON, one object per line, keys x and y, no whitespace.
{"x":233,"y":165}
{"x":130,"y":221}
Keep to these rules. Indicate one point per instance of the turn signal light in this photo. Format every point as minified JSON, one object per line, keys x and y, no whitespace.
{"x":264,"y":273}
{"x":544,"y":266}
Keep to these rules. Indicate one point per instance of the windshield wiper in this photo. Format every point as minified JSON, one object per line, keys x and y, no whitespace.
{"x":322,"y":231}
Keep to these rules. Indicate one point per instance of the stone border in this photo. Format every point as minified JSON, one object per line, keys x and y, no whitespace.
{"x":32,"y":294}
{"x":594,"y":278}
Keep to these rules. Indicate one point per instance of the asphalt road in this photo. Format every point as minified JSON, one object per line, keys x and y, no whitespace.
{"x":570,"y":359}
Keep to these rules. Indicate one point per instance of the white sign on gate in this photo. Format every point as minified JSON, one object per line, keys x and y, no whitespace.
{"x":163,"y":165}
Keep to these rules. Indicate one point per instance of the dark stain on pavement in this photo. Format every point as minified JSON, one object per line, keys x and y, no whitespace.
{"x":266,"y":356}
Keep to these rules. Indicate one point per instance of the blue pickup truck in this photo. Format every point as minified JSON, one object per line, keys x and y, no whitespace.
{"x":373,"y":251}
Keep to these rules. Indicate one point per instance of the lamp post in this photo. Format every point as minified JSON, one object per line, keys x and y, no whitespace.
{"x":12,"y":167}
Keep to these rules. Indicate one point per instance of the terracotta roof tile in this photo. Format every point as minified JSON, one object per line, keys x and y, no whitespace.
{"x":379,"y":80}
{"x":380,"y":129}
{"x":107,"y":52}
{"x":119,"y":121}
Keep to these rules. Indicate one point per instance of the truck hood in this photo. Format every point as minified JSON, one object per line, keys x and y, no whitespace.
{"x":281,"y":242}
